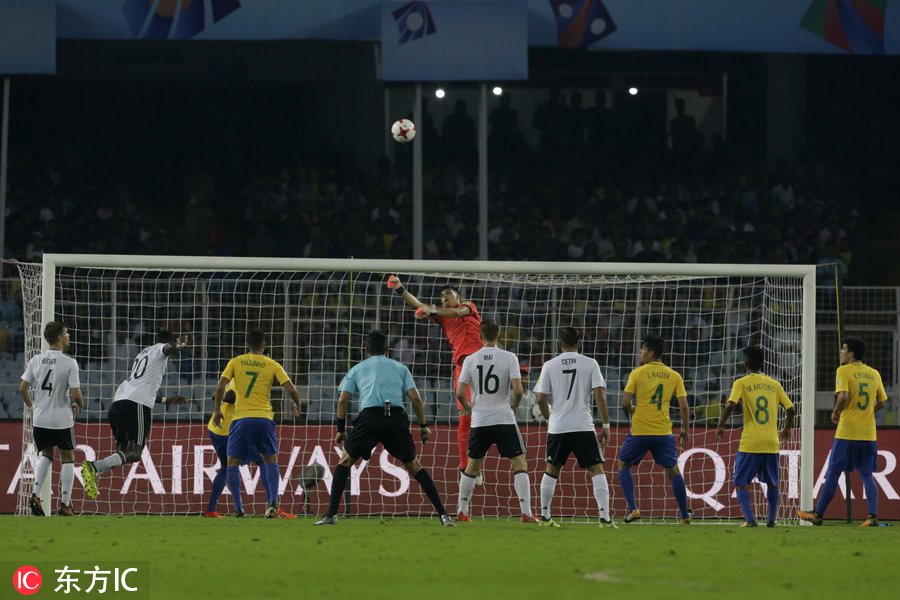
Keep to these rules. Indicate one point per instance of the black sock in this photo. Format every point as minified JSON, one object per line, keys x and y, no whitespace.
{"x":341,"y":473}
{"x":430,"y":490}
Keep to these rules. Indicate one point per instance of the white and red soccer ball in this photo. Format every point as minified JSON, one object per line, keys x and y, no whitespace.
{"x":403,"y":130}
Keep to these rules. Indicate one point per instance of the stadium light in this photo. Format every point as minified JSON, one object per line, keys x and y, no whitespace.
{"x":633,"y":91}
{"x":439,"y":93}
{"x":497,"y":91}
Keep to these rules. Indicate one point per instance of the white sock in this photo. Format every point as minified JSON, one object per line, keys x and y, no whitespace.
{"x":601,"y":494}
{"x":548,"y":488}
{"x":466,"y":487}
{"x":523,"y":491}
{"x":40,"y":473}
{"x":67,"y":479}
{"x":105,"y":464}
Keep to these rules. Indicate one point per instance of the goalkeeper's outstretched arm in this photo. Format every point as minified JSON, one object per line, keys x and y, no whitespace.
{"x":395,"y":284}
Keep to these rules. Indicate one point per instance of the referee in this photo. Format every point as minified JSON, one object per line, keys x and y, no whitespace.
{"x":381,"y":383}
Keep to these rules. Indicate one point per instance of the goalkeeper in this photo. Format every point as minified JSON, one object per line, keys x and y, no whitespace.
{"x":460,"y":322}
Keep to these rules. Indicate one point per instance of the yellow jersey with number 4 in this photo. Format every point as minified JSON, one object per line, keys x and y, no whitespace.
{"x":864,"y":387}
{"x":653,"y":386}
{"x":760,"y":397}
{"x":253,"y":375}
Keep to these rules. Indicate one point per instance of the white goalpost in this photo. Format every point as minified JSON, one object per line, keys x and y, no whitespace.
{"x":316,"y":313}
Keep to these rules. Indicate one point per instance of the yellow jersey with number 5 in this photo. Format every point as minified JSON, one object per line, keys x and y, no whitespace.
{"x":759,"y":397}
{"x":253,"y":375}
{"x":653,"y":386}
{"x":864,"y":387}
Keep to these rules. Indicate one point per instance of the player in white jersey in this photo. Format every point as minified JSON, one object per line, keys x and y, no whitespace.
{"x":54,"y":374}
{"x":132,"y":410}
{"x":490,"y":372}
{"x":574,"y":380}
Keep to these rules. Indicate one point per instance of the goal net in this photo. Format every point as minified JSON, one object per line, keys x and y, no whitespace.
{"x":316,"y":314}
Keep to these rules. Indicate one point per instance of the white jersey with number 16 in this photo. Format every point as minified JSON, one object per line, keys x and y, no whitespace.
{"x":489,"y":373}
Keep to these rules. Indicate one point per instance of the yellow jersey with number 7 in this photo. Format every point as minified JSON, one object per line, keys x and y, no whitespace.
{"x":864,"y":387}
{"x":653,"y":386}
{"x":253,"y":375}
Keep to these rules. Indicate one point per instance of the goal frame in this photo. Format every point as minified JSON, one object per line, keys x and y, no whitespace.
{"x":52,"y":261}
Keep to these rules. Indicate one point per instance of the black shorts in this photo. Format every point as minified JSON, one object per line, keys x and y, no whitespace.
{"x":506,"y":437}
{"x":64,"y":439}
{"x":130,"y":422}
{"x":584,"y":444}
{"x":371,"y":427}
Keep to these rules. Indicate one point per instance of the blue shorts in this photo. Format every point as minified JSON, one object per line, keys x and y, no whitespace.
{"x":251,"y":435}
{"x":853,"y":455}
{"x":748,"y":465}
{"x":220,"y":443}
{"x":661,"y":446}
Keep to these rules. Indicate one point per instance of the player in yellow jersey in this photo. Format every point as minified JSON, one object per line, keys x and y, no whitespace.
{"x":218,"y":434}
{"x":253,"y":423}
{"x":860,"y":393}
{"x":757,"y":456}
{"x":651,"y":387}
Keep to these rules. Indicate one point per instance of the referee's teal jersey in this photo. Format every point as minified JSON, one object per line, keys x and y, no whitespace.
{"x":377,"y":380}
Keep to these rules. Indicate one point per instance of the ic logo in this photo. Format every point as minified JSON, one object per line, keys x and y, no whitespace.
{"x":27,"y":580}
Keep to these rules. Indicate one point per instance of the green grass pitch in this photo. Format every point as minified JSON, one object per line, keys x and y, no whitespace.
{"x":398,"y":558}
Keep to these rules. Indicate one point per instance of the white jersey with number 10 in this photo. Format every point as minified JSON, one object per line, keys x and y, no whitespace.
{"x":146,"y":376}
{"x":570,"y":379}
{"x":489,"y":373}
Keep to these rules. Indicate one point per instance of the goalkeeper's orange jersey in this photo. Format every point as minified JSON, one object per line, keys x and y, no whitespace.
{"x":253,"y":375}
{"x":864,"y":387}
{"x":653,"y":385}
{"x":463,"y":333}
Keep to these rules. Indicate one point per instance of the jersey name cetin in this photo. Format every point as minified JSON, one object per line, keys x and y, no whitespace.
{"x":569,"y":361}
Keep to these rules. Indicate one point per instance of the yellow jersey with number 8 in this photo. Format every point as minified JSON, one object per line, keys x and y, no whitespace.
{"x":653,"y":386}
{"x":759,"y":397}
{"x":253,"y":375}
{"x":864,"y":387}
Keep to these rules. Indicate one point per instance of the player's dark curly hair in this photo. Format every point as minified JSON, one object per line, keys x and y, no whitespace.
{"x":164,"y":336}
{"x":376,"y":342}
{"x":655,"y":344}
{"x":856,"y":346}
{"x":569,"y":336}
{"x":490,"y":330}
{"x":754,"y":357}
{"x":256,"y":339}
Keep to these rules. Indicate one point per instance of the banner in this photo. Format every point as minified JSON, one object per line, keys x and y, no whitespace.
{"x":27,"y":37}
{"x":815,"y":26}
{"x":176,"y":471}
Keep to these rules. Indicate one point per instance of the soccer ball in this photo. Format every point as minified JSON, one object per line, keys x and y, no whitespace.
{"x":403,"y":130}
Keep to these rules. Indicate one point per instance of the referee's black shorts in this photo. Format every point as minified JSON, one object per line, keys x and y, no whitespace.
{"x":64,"y":439}
{"x":506,"y":437}
{"x":371,"y":427}
{"x":583,"y":444}
{"x":130,"y":422}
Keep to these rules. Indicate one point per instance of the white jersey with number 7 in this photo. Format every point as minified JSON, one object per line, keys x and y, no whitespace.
{"x":569,"y":379}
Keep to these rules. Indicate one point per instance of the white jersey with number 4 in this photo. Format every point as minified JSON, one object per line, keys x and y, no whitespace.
{"x":570,"y":378}
{"x":146,"y":376}
{"x":51,"y":374}
{"x":489,"y":373}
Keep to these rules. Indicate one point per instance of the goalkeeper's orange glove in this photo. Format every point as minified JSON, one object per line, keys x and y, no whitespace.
{"x":425,"y":311}
{"x":394,"y":284}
